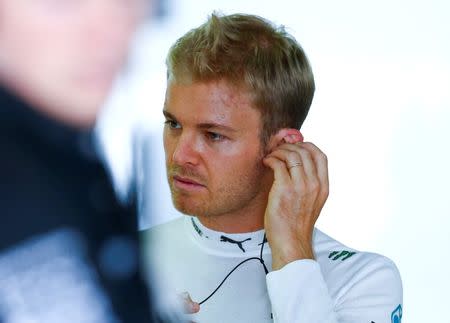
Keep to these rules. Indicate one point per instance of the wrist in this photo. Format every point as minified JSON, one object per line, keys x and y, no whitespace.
{"x":287,"y":254}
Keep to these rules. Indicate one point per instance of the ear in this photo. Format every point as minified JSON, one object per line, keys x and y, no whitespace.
{"x":285,"y":135}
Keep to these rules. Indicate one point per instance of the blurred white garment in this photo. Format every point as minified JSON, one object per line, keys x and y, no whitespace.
{"x":46,"y":280}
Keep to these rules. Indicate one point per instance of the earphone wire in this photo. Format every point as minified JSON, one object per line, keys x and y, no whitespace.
{"x":261,"y":260}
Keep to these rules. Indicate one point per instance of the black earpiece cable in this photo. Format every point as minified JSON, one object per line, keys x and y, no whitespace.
{"x":261,"y":260}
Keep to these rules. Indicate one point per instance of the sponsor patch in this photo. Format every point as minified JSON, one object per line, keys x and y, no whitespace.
{"x":342,"y":254}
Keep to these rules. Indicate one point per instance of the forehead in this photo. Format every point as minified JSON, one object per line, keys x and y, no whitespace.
{"x":211,"y":102}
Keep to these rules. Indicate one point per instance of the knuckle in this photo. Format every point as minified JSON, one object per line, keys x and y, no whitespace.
{"x":306,"y":153}
{"x":292,"y":156}
{"x":309,"y":145}
{"x":314,"y":186}
{"x":324,"y":193}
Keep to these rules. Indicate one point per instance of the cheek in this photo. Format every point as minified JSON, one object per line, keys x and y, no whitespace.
{"x":168,"y":145}
{"x":237,"y":167}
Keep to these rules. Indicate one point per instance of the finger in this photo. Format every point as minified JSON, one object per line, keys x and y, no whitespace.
{"x":280,"y":171}
{"x":194,"y":307}
{"x":300,"y":165}
{"x":321,"y":162}
{"x":292,"y":163}
{"x":307,"y":160}
{"x":190,"y":307}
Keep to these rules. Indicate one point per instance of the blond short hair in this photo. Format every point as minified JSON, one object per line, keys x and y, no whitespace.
{"x":249,"y":52}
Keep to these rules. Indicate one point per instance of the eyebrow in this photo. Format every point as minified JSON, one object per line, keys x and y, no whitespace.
{"x":203,"y":125}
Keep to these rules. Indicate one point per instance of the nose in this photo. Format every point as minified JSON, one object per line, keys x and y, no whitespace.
{"x":186,"y":152}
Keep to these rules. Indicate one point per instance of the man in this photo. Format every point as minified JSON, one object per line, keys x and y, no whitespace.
{"x":238,"y":90}
{"x":68,"y":250}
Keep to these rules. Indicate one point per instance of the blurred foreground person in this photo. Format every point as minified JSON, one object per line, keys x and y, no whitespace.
{"x":239,"y":89}
{"x":68,"y":250}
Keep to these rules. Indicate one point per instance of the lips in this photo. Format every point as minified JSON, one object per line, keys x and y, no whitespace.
{"x":185,"y":181}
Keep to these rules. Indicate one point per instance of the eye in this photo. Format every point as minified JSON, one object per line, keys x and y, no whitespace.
{"x":215,"y":136}
{"x":172,"y":124}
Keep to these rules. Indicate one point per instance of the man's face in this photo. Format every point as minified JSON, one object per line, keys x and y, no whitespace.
{"x":213,"y":149}
{"x":63,"y":55}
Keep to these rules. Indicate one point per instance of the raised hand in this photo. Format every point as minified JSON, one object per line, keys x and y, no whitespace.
{"x":298,"y":193}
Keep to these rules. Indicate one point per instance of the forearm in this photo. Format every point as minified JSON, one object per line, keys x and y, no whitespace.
{"x":369,"y":290}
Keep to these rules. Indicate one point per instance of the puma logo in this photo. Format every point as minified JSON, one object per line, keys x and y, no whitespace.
{"x":239,"y":243}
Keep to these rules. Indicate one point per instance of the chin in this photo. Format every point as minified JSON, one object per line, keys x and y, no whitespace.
{"x":187,"y":208}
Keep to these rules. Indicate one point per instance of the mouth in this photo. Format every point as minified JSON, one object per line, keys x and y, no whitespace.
{"x":186,"y":183}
